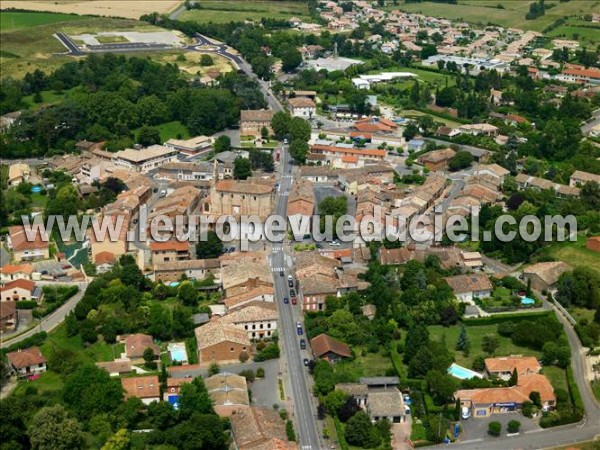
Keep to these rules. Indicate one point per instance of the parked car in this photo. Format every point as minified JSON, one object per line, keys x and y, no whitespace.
{"x":281,"y":273}
{"x":294,"y":300}
{"x":303,"y":344}
{"x":286,"y":300}
{"x":292,"y":293}
{"x":335,"y":243}
{"x":306,"y":362}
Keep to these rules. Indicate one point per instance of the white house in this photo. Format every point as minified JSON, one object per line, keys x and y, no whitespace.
{"x":27,"y":362}
{"x":467,"y":287}
{"x":302,"y":107}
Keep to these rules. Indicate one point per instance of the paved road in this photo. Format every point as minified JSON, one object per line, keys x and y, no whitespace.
{"x":4,"y":256}
{"x":468,"y":148}
{"x":304,"y":413}
{"x":594,"y":121}
{"x":54,"y":319}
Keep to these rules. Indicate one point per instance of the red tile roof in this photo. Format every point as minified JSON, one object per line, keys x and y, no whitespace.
{"x":323,"y":344}
{"x":141,"y":387}
{"x":25,"y":358}
{"x":28,"y":285}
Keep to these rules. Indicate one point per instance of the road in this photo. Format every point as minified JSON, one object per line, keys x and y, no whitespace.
{"x":304,"y":413}
{"x":593,"y":122}
{"x":54,"y":319}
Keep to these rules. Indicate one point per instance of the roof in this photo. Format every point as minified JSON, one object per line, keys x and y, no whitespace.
{"x":170,"y":245}
{"x":437,"y":156}
{"x":256,"y":293}
{"x":19,"y":240}
{"x":17,"y":268}
{"x":242,"y":271}
{"x":116,"y":366}
{"x":140,"y":156}
{"x":523,"y":364}
{"x":352,"y":151}
{"x":227,"y":389}
{"x":135,"y":344}
{"x":256,"y":115}
{"x":253,"y":427}
{"x":395,"y":255}
{"x":494,"y":168}
{"x":105,"y":258}
{"x":378,"y":381}
{"x":469,"y":283}
{"x":319,"y":284}
{"x":514,"y":394}
{"x":353,"y":389}
{"x":585,"y":176}
{"x":7,"y":309}
{"x":255,"y":311}
{"x":244,"y":187}
{"x":323,"y":344}
{"x":141,"y":387}
{"x":31,"y":356}
{"x":194,"y":142}
{"x":192,"y":264}
{"x":385,"y":403}
{"x":218,"y":331}
{"x":549,"y":272}
{"x":589,"y":73}
{"x":301,"y":102}
{"x":21,"y":283}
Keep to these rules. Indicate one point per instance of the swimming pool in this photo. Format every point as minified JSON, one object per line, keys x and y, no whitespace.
{"x":36,"y":189}
{"x":462,"y":373}
{"x":174,"y":283}
{"x":527,"y":301}
{"x":178,"y":352}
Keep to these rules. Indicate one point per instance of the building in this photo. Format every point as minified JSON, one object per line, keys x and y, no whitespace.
{"x":18,"y":173}
{"x":468,"y":287}
{"x":479,"y":129}
{"x":116,"y":368}
{"x":330,"y":349}
{"x":193,"y":269}
{"x":144,"y":160}
{"x":136,"y":344}
{"x":9,"y":316}
{"x":260,"y":293}
{"x":258,"y":428}
{"x":245,"y":275}
{"x":12,"y":272}
{"x":104,"y":261}
{"x":503,"y":367}
{"x":240,"y":197}
{"x":7,"y":120}
{"x":221,"y":342}
{"x":302,"y":107}
{"x":437,"y":159}
{"x":228,"y":392}
{"x":147,"y":389}
{"x":257,"y":318}
{"x":27,"y":362}
{"x":580,"y":178}
{"x":173,"y":389}
{"x":487,"y":401}
{"x":19,"y":290}
{"x":386,"y":404}
{"x":169,"y":251}
{"x":337,"y":155}
{"x":190,"y":147}
{"x":593,"y":243}
{"x":27,"y":248}
{"x":583,"y":76}
{"x":253,"y":121}
{"x":543,"y":276}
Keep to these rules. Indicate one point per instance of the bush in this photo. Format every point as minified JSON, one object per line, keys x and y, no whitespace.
{"x":260,"y":372}
{"x":513,"y":426}
{"x":271,"y":351}
{"x":248,"y":374}
{"x":26,"y":304}
{"x":494,"y":429}
{"x":506,"y":329}
{"x":35,"y":340}
{"x":528,"y":409}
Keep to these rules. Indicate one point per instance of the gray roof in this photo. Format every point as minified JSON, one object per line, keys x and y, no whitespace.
{"x":379,"y":381}
{"x":385,"y":403}
{"x":200,"y":318}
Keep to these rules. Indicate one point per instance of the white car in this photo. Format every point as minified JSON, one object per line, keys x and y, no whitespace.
{"x":335,"y":243}
{"x":465,"y":413}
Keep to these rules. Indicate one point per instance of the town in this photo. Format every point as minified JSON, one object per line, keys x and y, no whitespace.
{"x":475,"y":127}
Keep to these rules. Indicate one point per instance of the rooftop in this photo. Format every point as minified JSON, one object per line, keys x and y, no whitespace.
{"x":141,"y":387}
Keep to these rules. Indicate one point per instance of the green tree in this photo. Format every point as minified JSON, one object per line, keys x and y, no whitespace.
{"x":213,"y":369}
{"x":460,"y":161}
{"x":222,"y":144}
{"x":441,"y":386}
{"x":188,"y":294}
{"x":334,"y":401}
{"x":290,"y":59}
{"x":410,"y":131}
{"x":463,"y":344}
{"x":118,"y":441}
{"x":211,"y":247}
{"x":536,"y":398}
{"x":299,"y":129}
{"x":242,"y":168}
{"x":514,"y":378}
{"x":280,"y":124}
{"x":299,"y":150}
{"x":513,"y":426}
{"x":494,"y":428}
{"x":194,"y":398}
{"x":53,"y":429}
{"x":206,"y":60}
{"x":148,"y":136}
{"x":264,"y":133}
{"x":489,"y":344}
{"x":148,"y":356}
{"x":360,"y":431}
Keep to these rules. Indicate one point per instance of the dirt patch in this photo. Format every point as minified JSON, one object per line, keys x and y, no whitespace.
{"x":189,"y":62}
{"x":123,"y":8}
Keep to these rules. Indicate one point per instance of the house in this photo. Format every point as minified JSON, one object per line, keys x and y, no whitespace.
{"x":116,"y":368}
{"x":447,"y":131}
{"x":20,"y":289}
{"x":18,"y":173}
{"x":12,"y":272}
{"x":415,"y":145}
{"x":257,"y":318}
{"x":245,"y":275}
{"x":359,"y":391}
{"x":104,"y":261}
{"x":9,"y":316}
{"x":471,"y":260}
{"x":468,"y":287}
{"x":334,"y":154}
{"x":7,"y":120}
{"x":395,"y":256}
{"x":253,"y":121}
{"x":168,"y":251}
{"x":258,"y":428}
{"x":228,"y":392}
{"x":584,"y":76}
{"x":27,"y":248}
{"x":302,"y":107}
{"x":319,"y":174}
{"x":26,"y":362}
{"x":479,"y":129}
{"x":493,"y":170}
{"x":503,"y":367}
{"x":239,"y":197}
{"x":437,"y":159}
{"x":221,"y":342}
{"x":173,"y":388}
{"x":487,"y":401}
{"x":330,"y":349}
{"x":580,"y":178}
{"x":144,"y":160}
{"x":386,"y":404}
{"x":136,"y":344}
{"x":190,"y":147}
{"x":194,"y":269}
{"x":593,"y":243}
{"x":147,"y":389}
{"x":261,"y":294}
{"x":543,"y":276}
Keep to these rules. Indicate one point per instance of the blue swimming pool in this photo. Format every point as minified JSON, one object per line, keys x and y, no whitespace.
{"x":527,"y":301}
{"x":36,"y":189}
{"x":178,"y":354}
{"x":174,"y":283}
{"x":462,"y":373}
{"x":174,"y":401}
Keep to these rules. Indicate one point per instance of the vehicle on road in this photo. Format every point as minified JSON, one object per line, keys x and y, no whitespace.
{"x":281,"y":273}
{"x":465,"y":413}
{"x":294,"y":300}
{"x":299,"y":328}
{"x":163,"y":193}
{"x":286,"y":300}
{"x":335,"y":243}
{"x":303,"y":344}
{"x":306,"y":362}
{"x":292,"y":293}
{"x":290,"y":283}
{"x":231,"y":249}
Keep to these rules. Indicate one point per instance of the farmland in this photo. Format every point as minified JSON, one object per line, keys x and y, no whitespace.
{"x":126,"y":9}
{"x":12,"y":21}
{"x":232,"y":11}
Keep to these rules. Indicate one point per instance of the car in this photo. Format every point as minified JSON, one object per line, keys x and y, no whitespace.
{"x":318,"y":245}
{"x":292,"y":293}
{"x":335,"y":243}
{"x":290,"y":278}
{"x":285,"y":141}
{"x":465,"y":412}
{"x":298,"y":324}
{"x":303,"y":344}
{"x":163,"y":193}
{"x":294,"y":301}
{"x":290,"y":283}
{"x":281,"y":273}
{"x":306,"y":362}
{"x":286,"y":300}
{"x":231,"y":249}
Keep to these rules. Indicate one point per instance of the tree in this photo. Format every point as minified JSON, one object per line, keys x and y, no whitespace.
{"x":148,"y":356}
{"x":211,"y":247}
{"x":514,"y":378}
{"x":264,"y":133}
{"x":536,"y":398}
{"x":289,"y":431}
{"x":299,"y":150}
{"x":299,"y":129}
{"x":441,"y":386}
{"x":52,"y":428}
{"x":120,"y":440}
{"x":188,"y":294}
{"x":360,"y":431}
{"x":148,"y":136}
{"x":334,"y":401}
{"x":222,"y":144}
{"x":194,"y":398}
{"x":410,"y":131}
{"x":460,"y":161}
{"x":242,"y":168}
{"x":463,"y":344}
{"x":206,"y":60}
{"x":494,"y":428}
{"x":213,"y":369}
{"x":290,"y":59}
{"x":280,"y":124}
{"x":348,"y":409}
{"x":489,"y":344}
{"x":513,"y":426}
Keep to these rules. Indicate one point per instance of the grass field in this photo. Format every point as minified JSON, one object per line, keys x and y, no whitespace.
{"x":47,"y":383}
{"x":370,"y":365}
{"x":582,"y":313}
{"x":12,"y":21}
{"x":171,"y":130}
{"x":189,"y":62}
{"x":557,"y":377}
{"x":513,"y":14}
{"x":583,"y":34}
{"x":575,"y":253}
{"x":476,"y":334}
{"x":235,"y":10}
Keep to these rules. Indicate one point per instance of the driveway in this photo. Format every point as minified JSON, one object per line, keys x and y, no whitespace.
{"x":476,"y":429}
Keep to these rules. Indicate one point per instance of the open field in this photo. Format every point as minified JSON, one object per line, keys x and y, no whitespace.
{"x":26,"y":49}
{"x":586,"y":35}
{"x":574,"y":253}
{"x":235,"y":10}
{"x":513,"y":14}
{"x":130,"y":9}
{"x":12,"y":21}
{"x":189,"y":62}
{"x":170,"y":130}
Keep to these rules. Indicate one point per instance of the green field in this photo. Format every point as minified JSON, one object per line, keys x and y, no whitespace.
{"x":170,"y":130}
{"x":235,"y":11}
{"x":12,"y":21}
{"x":557,"y":377}
{"x":583,"y":34}
{"x":574,"y":253}
{"x":513,"y":14}
{"x":47,"y":383}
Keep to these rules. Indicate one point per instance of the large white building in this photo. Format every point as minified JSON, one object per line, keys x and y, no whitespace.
{"x":146,"y":159}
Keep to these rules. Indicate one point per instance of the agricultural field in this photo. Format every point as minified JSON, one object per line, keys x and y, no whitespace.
{"x":130,"y":9}
{"x":584,"y":34}
{"x":511,"y":15}
{"x":235,"y":10}
{"x":12,"y":21}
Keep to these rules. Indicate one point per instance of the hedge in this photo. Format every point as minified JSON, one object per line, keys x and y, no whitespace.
{"x":26,"y":304}
{"x":35,"y":340}
{"x":574,"y":391}
{"x":516,"y":317}
{"x":339,"y":429}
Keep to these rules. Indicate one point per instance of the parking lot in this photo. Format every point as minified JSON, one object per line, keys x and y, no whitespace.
{"x":474,"y":428}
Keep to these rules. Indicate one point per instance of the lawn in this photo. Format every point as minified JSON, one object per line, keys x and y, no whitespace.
{"x":111,"y":39}
{"x":582,"y":313}
{"x":586,"y":35}
{"x":369,"y":365}
{"x":48,"y":382}
{"x":171,"y":130}
{"x":38,"y":201}
{"x":48,"y":98}
{"x":476,"y":334}
{"x":189,"y":62}
{"x":411,"y":114}
{"x":234,"y":11}
{"x":574,"y":253}
{"x":557,"y":377}
{"x":12,"y":21}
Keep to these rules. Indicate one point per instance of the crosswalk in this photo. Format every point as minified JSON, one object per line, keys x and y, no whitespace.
{"x":289,"y":177}
{"x":278,"y":269}
{"x":277,"y":248}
